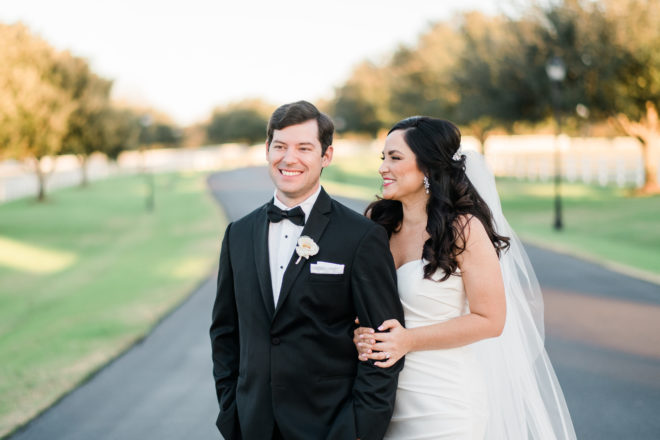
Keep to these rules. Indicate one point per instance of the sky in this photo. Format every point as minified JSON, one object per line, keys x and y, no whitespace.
{"x":186,"y":57}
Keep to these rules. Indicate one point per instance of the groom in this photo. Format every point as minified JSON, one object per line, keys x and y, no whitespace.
{"x":284,"y":363}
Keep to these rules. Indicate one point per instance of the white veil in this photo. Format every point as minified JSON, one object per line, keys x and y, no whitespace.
{"x":524,"y":396}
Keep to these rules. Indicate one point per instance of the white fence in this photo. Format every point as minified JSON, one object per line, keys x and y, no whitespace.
{"x":18,"y":180}
{"x":616,"y":161}
{"x":604,"y":161}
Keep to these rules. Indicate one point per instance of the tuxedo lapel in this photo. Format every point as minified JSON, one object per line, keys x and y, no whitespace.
{"x":314,"y":227}
{"x":262,"y":260}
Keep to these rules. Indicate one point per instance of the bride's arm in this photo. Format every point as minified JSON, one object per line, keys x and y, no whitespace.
{"x":484,"y":288}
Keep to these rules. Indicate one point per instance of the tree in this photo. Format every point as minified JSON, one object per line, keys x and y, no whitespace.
{"x":495,"y":76}
{"x":124,"y":126}
{"x":612,"y":53}
{"x":362,"y":103}
{"x":422,"y":76}
{"x":243,"y":121}
{"x":90,"y":128}
{"x":635,"y":25}
{"x":158,"y":129}
{"x":415,"y":80}
{"x":34,"y":108}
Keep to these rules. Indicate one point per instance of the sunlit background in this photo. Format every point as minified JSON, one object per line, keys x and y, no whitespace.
{"x":113,"y":115}
{"x":185,"y":58}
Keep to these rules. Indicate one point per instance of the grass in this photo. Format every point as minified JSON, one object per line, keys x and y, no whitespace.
{"x":602,"y":222}
{"x":354,"y":176}
{"x":86,"y":274}
{"x":606,"y":224}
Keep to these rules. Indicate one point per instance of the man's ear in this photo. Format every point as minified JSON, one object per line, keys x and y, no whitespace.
{"x":327,"y":157}
{"x":267,"y":147}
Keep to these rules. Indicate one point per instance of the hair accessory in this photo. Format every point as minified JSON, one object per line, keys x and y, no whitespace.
{"x":427,"y":184}
{"x":457,"y":155}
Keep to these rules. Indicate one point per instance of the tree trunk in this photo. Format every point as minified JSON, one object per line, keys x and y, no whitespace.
{"x":481,"y":133}
{"x":84,"y":180}
{"x":41,"y":180}
{"x":648,"y":132}
{"x":651,"y":147}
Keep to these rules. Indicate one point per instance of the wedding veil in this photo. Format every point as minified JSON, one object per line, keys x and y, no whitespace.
{"x":524,"y":396}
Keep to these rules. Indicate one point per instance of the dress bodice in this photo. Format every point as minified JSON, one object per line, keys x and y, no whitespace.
{"x":440,"y":394}
{"x":427,"y":301}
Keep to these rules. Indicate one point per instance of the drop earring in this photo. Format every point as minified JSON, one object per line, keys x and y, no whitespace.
{"x":427,"y":184}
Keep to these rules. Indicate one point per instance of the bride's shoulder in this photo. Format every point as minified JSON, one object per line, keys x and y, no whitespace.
{"x":463,"y":220}
{"x":467,"y":222}
{"x":470,"y":229}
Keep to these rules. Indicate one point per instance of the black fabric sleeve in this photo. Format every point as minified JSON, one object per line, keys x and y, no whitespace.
{"x":225,"y":345}
{"x":373,"y":280}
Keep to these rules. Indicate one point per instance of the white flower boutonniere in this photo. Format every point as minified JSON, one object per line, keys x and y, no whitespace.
{"x":306,"y":248}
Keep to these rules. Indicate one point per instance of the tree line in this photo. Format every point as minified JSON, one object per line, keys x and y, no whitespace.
{"x":51,"y":102}
{"x":485,"y":73}
{"x":490,"y":73}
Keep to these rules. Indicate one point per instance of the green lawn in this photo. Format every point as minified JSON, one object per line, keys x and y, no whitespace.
{"x":89,"y":272}
{"x":602,"y":223}
{"x":605,"y":223}
{"x":354,"y":176}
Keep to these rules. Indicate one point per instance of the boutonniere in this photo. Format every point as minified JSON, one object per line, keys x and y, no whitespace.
{"x":306,"y":248}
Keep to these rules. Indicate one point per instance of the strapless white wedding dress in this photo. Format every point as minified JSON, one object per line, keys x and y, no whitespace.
{"x":441,"y":393}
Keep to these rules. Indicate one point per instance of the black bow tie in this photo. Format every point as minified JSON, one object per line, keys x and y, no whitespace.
{"x":295,"y":215}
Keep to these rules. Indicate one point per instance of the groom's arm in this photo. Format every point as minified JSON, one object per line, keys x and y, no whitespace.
{"x":373,"y":280}
{"x":225,"y":345}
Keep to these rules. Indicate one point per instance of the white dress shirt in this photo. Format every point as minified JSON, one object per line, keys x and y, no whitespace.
{"x":282,"y":239}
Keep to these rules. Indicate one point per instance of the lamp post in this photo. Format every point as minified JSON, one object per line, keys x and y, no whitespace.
{"x":556,"y":71}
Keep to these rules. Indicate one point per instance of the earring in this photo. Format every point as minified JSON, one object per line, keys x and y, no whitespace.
{"x":427,"y":184}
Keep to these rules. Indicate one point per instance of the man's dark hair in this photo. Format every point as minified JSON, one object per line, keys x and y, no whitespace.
{"x":297,"y":113}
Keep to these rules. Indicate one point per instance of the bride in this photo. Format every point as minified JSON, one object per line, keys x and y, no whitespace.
{"x":476,"y":367}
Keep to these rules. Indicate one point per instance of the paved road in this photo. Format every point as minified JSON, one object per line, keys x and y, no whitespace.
{"x":603,"y":336}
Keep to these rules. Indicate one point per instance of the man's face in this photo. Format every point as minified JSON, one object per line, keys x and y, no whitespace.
{"x":295,"y":161}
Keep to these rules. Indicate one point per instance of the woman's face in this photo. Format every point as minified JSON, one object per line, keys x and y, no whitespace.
{"x":401,"y":178}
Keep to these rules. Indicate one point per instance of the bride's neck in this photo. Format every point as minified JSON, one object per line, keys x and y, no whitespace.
{"x":414,"y":212}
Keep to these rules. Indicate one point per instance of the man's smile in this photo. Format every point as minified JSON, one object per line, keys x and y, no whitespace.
{"x":290,"y":172}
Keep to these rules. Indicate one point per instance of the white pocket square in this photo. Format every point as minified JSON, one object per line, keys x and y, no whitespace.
{"x":323,"y":267}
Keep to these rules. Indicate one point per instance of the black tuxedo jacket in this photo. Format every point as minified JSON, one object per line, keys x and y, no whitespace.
{"x":294,"y":363}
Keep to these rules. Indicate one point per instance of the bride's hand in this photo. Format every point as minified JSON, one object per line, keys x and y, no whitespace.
{"x":392,"y":345}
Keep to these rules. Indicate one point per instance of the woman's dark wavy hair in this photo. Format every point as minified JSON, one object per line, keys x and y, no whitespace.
{"x":451,"y":195}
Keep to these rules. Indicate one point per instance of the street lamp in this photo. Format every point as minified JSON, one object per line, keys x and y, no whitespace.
{"x":556,"y":71}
